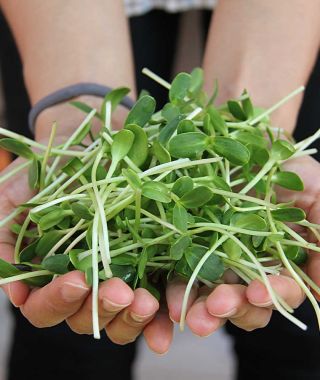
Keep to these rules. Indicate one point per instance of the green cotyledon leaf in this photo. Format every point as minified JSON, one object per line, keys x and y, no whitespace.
{"x":288,"y":180}
{"x":180,"y":217}
{"x":142,"y":111}
{"x":17,"y":147}
{"x":197,"y":197}
{"x":157,"y":191}
{"x":138,"y":152}
{"x":179,"y":87}
{"x":232,"y":150}
{"x":56,"y":264}
{"x":288,"y":214}
{"x":188,"y":145}
{"x":213,"y":267}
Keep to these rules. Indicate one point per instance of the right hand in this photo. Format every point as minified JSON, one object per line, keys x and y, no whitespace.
{"x":123,"y":312}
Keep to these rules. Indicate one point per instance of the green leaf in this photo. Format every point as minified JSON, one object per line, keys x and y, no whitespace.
{"x":170,"y":112}
{"x":168,"y":130}
{"x":139,"y":149}
{"x":143,"y":259}
{"x":231,"y":149}
{"x":34,"y":174}
{"x":188,"y":145}
{"x":8,"y":270}
{"x":220,"y":183}
{"x":213,"y":267}
{"x":288,"y":214}
{"x":56,"y":264}
{"x":122,"y":143}
{"x":179,"y":246}
{"x":115,"y":97}
{"x":250,"y":138}
{"x":157,"y":191}
{"x":124,"y":259}
{"x":282,"y":150}
{"x":248,"y":221}
{"x":247,"y":105}
{"x":232,"y":249}
{"x":28,"y":253}
{"x":89,"y":276}
{"x":288,"y":180}
{"x":16,"y":147}
{"x":179,"y":88}
{"x":197,"y":197}
{"x":82,"y":265}
{"x":296,"y":254}
{"x":259,"y":155}
{"x":83,"y":134}
{"x":125,"y":272}
{"x":72,"y":167}
{"x":52,"y":218}
{"x":236,"y":110}
{"x":186,"y":126}
{"x":182,"y":268}
{"x":81,"y":210}
{"x":160,"y":152}
{"x":132,"y":178}
{"x":217,"y":121}
{"x":142,"y":111}
{"x":180,"y":218}
{"x":196,"y":81}
{"x":182,"y":186}
{"x":47,"y":241}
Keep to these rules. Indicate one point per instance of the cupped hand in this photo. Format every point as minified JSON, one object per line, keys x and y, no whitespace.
{"x":124,"y":313}
{"x":250,"y":307}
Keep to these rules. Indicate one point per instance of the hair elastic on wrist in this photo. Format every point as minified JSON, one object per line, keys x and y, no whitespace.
{"x":68,"y":93}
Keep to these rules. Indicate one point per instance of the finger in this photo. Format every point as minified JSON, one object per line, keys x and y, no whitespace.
{"x":56,"y":301}
{"x":200,"y":321}
{"x":230,"y":301}
{"x":114,"y":296}
{"x":174,"y":295}
{"x":313,"y":270}
{"x":159,"y":333}
{"x":126,"y":327}
{"x":284,"y":286}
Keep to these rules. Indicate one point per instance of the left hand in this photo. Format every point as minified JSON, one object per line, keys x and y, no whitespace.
{"x":250,"y":307}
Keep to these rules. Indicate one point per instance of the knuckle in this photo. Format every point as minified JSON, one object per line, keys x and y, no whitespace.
{"x":78,"y":328}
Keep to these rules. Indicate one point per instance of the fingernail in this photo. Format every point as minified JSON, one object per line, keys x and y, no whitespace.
{"x":140,"y":318}
{"x":112,"y":306}
{"x":171,"y":319}
{"x":225,"y":315}
{"x":263,"y":304}
{"x":73,"y":292}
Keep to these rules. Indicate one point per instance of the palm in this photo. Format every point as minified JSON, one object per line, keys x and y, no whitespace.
{"x":309,"y":200}
{"x":68,"y":297}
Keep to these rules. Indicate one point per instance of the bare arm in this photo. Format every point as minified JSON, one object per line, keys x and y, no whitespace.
{"x":67,"y":42}
{"x":269,"y":47}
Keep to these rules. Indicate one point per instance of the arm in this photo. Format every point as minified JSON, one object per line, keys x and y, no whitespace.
{"x":268,"y":47}
{"x":67,"y":42}
{"x":62,"y":43}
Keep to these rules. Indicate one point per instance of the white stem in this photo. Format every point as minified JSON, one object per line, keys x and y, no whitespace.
{"x":95,"y":278}
{"x":24,"y":276}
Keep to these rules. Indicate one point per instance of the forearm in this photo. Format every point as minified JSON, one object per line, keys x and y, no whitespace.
{"x":268,"y":47}
{"x":67,"y":42}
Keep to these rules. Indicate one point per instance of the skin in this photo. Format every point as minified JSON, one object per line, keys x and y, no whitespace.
{"x":269,"y":48}
{"x":282,"y":29}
